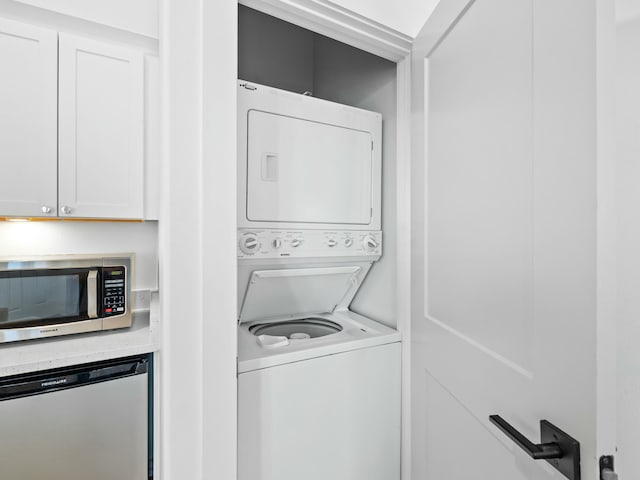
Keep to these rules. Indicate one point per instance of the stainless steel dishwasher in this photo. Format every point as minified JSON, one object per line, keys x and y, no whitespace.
{"x":82,"y":422}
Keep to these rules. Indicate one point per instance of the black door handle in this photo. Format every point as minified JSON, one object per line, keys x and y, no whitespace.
{"x":556,"y":447}
{"x":540,"y":451}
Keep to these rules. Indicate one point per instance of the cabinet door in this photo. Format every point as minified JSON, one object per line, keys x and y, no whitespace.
{"x":101,"y":137}
{"x":28,"y":122}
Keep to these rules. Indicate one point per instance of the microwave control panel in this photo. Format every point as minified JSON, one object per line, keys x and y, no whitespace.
{"x":113,"y":290}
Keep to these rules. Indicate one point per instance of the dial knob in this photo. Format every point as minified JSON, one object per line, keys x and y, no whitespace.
{"x":370,"y":243}
{"x":331,"y":243}
{"x":249,"y":244}
{"x":276,"y":243}
{"x":296,"y":242}
{"x":348,"y":242}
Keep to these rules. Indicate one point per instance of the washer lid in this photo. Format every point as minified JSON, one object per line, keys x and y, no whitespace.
{"x":300,"y":291}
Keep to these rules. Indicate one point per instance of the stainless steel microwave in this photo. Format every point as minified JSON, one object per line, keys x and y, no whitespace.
{"x":50,"y":296}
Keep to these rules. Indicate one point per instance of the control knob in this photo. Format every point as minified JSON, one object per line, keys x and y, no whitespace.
{"x":296,"y":242}
{"x":331,"y":243}
{"x":249,"y":243}
{"x":370,"y":243}
{"x":348,"y":242}
{"x":276,"y":243}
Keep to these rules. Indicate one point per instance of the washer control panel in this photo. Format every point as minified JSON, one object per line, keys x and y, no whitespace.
{"x":308,"y":243}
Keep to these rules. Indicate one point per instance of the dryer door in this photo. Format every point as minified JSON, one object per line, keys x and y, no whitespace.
{"x":301,"y":171}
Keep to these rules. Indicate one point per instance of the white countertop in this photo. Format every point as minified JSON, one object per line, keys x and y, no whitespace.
{"x":33,"y":355}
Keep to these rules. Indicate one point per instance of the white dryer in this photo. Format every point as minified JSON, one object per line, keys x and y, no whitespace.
{"x":306,"y":163}
{"x":318,"y":385}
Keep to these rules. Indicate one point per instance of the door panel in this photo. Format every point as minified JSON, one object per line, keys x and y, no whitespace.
{"x":479,"y":184}
{"x":301,"y":171}
{"x":101,"y":130}
{"x":504,"y":191}
{"x":450,"y":422}
{"x":28,"y":122}
{"x":479,"y":213}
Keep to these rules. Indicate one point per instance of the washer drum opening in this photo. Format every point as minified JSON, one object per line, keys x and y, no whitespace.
{"x":312,"y":327}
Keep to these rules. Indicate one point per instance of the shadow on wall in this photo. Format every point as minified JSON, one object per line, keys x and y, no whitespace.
{"x":20,"y":239}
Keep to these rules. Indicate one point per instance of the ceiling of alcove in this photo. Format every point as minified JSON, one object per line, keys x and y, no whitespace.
{"x":406,"y":16}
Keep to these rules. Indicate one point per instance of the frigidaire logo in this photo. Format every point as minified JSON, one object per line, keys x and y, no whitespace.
{"x":54,"y":382}
{"x":49,"y":330}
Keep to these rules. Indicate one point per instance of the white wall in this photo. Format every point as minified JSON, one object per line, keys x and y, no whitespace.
{"x":273,"y":52}
{"x":628,"y":144}
{"x":347,"y":75}
{"x":198,"y":240}
{"x":406,"y":16}
{"x":53,"y":238}
{"x":137,"y":16}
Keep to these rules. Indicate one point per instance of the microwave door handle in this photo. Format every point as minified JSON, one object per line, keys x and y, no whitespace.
{"x":92,"y":294}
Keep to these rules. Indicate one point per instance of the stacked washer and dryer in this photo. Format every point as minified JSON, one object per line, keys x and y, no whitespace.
{"x":318,"y":384}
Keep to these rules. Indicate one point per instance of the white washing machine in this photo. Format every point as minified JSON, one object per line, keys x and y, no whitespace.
{"x":318,"y":385}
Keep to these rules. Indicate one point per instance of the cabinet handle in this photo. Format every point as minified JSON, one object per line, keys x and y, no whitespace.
{"x":46,"y":209}
{"x":66,"y":210}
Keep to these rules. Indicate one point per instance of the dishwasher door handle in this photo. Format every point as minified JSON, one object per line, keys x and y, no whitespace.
{"x":60,"y":379}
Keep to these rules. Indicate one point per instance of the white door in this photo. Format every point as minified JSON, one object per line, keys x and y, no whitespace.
{"x":28,"y":120}
{"x":101,"y":139}
{"x":510,"y":283}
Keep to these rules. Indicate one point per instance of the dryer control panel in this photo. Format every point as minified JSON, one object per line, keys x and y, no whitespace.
{"x":308,"y":243}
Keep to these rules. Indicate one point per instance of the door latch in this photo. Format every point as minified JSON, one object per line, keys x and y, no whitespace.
{"x":607,"y":471}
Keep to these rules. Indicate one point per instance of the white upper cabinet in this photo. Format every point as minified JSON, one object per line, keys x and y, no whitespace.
{"x":28,"y":123}
{"x":72,"y":126}
{"x":101,"y":130}
{"x":139,"y":16}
